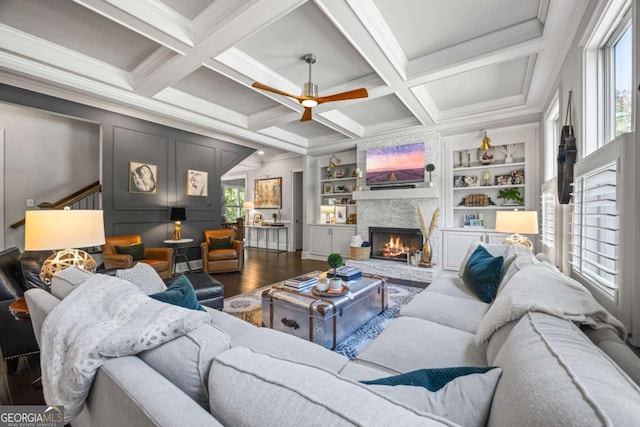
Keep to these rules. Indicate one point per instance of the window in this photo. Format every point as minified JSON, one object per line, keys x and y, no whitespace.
{"x":234,"y":192}
{"x":552,"y":138}
{"x":608,"y":75}
{"x":548,"y":223}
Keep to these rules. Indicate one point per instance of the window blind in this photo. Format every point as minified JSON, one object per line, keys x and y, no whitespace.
{"x":547,"y":219}
{"x":595,"y":226}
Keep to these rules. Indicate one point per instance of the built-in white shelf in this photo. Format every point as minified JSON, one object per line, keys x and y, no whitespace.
{"x":488,"y":208}
{"x":400,"y":193}
{"x":479,"y":187}
{"x":456,"y":169}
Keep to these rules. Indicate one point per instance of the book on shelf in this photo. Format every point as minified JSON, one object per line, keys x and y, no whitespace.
{"x":301,"y":282}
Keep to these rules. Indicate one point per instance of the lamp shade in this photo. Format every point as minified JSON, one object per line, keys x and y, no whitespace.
{"x":178,"y":214}
{"x":521,"y":222}
{"x":248,"y":205}
{"x":63,"y":229}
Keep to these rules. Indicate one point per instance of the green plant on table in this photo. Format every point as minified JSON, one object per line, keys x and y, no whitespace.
{"x":275,"y":217}
{"x":335,"y":260}
{"x":511,"y":194}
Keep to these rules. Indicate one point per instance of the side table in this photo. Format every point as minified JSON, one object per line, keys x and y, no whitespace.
{"x":179,"y":249}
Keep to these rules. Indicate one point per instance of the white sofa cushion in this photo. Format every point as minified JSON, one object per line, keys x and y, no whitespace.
{"x":553,"y":375}
{"x":65,"y":281}
{"x":249,"y":388}
{"x":450,"y":284}
{"x":410,"y":343}
{"x":185,"y":361}
{"x":459,"y":313}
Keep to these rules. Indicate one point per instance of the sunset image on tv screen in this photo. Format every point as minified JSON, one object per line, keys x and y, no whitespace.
{"x":403,"y":163}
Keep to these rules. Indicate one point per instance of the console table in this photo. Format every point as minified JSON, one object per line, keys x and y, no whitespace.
{"x":179,"y":249}
{"x":260,"y":229}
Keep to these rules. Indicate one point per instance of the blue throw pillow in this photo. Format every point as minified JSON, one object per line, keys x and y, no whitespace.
{"x":483,"y":274}
{"x":180,"y":293}
{"x":431,"y":379}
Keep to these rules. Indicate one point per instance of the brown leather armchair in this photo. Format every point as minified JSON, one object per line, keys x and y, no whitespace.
{"x":161,"y":259}
{"x":221,"y":260}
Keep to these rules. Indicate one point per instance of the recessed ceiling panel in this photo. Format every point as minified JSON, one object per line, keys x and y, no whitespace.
{"x":480,"y":85}
{"x":425,"y":26}
{"x":213,"y":87}
{"x":375,"y":111}
{"x":306,"y":29}
{"x":190,"y":8}
{"x":72,"y":26}
{"x":308,"y":129}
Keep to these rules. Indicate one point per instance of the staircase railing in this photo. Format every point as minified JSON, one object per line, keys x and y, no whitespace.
{"x":86,"y":198}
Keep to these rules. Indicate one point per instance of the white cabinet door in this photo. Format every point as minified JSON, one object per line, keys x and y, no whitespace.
{"x":320,"y":240}
{"x":496,"y":238}
{"x":455,"y":245}
{"x":341,"y":238}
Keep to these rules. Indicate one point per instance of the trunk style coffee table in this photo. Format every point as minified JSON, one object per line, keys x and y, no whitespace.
{"x":324,"y":320}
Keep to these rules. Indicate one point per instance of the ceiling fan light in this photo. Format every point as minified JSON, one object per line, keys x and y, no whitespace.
{"x":309,"y":103}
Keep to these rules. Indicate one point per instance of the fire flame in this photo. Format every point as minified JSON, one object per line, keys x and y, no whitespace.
{"x":393,"y":247}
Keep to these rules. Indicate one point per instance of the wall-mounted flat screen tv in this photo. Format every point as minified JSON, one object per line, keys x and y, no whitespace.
{"x":395,"y":165}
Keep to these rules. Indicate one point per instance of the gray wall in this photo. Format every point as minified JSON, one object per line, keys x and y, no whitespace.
{"x":36,"y":145}
{"x":173,"y":151}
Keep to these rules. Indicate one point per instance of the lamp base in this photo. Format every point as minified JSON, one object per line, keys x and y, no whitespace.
{"x":518,"y":239}
{"x":63,"y":259}
{"x":177,"y":234}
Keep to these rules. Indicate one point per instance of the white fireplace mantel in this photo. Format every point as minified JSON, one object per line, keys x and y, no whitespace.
{"x":400,"y":193}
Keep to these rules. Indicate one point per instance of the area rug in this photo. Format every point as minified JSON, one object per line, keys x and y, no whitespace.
{"x":248,"y":306}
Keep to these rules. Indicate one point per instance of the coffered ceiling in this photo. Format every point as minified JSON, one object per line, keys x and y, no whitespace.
{"x":190,"y":63}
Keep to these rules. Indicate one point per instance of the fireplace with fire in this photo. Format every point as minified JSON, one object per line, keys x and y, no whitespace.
{"x":393,"y":244}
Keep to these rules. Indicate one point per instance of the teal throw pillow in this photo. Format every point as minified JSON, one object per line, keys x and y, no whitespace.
{"x":431,"y":379}
{"x":483,"y":273}
{"x":180,"y":293}
{"x":220,"y":243}
{"x":135,"y":250}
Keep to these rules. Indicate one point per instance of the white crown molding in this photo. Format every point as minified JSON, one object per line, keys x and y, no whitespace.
{"x":28,"y":46}
{"x":285,"y":135}
{"x":344,"y":122}
{"x":482,"y":107}
{"x":199,"y":105}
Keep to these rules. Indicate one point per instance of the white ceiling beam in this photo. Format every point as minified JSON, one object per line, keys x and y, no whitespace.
{"x":250,"y":19}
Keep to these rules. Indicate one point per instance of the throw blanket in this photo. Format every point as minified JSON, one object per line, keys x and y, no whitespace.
{"x":103,"y":317}
{"x":541,"y":288}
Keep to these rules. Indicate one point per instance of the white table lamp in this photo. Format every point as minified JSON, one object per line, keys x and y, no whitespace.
{"x":64,"y":231}
{"x":248,"y":207}
{"x":519,"y":223}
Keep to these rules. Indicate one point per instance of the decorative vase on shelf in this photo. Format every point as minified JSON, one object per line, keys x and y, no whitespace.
{"x":508,"y":158}
{"x":426,"y":252}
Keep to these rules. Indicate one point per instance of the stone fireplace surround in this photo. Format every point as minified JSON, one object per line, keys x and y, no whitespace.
{"x":399,"y":208}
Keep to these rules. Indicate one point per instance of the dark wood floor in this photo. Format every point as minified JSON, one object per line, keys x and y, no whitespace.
{"x":261,"y":268}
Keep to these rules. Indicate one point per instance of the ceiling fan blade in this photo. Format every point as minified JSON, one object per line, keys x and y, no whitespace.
{"x":351,"y":94}
{"x":306,"y":115}
{"x":274,"y":90}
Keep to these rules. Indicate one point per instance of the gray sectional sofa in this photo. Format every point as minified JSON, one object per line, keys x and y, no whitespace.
{"x":229,"y":372}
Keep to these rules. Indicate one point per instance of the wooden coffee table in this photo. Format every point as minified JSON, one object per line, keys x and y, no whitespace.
{"x":321,"y":319}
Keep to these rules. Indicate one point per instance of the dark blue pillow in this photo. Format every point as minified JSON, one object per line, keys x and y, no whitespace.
{"x":483,"y":274}
{"x":180,"y":293}
{"x":431,"y":379}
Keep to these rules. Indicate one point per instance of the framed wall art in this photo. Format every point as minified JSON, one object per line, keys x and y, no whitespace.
{"x":341,"y":214}
{"x":257,"y":219}
{"x":143,"y":178}
{"x":197,"y":183}
{"x":267,"y":193}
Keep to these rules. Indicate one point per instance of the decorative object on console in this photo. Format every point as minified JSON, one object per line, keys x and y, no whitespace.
{"x":257,"y":219}
{"x":267,"y":193}
{"x":177,"y":215}
{"x":427,"y":252}
{"x":248,"y":207}
{"x":519,"y":223}
{"x":65,"y":231}
{"x":508,"y":151}
{"x":510,"y":197}
{"x":275,"y":217}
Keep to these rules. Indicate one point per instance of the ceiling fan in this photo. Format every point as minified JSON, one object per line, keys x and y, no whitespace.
{"x":309,"y":97}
